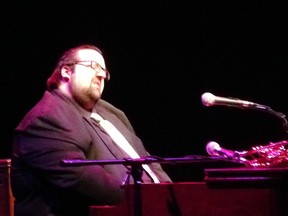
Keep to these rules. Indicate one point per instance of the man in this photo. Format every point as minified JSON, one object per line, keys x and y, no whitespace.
{"x":65,"y":125}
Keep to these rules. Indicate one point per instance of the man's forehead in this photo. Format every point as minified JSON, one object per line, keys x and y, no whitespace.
{"x":91,"y":55}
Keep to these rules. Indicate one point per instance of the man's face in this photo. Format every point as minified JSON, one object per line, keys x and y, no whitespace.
{"x":88,"y":75}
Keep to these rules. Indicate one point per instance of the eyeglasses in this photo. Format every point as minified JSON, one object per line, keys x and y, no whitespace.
{"x":95,"y":66}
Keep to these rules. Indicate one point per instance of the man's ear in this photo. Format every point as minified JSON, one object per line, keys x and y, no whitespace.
{"x":66,"y":73}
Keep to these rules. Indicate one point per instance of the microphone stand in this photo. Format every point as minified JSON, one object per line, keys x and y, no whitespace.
{"x":136,"y":169}
{"x":279,"y":115}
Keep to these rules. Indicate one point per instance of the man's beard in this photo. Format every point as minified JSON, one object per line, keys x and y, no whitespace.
{"x":87,"y":97}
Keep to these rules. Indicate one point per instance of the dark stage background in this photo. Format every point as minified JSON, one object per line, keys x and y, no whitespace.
{"x":162,"y":55}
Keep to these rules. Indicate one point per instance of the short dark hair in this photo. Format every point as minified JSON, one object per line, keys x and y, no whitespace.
{"x":67,"y":58}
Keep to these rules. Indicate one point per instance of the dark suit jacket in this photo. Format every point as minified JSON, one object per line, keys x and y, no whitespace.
{"x":58,"y":129}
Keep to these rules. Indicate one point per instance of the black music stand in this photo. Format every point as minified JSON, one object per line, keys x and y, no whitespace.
{"x":136,"y":169}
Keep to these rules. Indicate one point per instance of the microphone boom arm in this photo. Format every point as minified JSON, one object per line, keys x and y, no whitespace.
{"x":279,"y":115}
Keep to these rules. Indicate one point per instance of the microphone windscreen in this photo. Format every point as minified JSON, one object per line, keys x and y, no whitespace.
{"x":208,"y":99}
{"x":211,"y":147}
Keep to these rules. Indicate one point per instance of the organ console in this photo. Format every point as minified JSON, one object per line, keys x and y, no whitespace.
{"x":223,"y":192}
{"x":229,"y":191}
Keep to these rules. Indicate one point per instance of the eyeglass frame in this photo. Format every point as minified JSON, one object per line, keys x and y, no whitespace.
{"x":108,"y":76}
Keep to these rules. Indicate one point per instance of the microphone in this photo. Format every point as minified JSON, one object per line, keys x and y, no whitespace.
{"x":209,"y":99}
{"x":214,"y":149}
